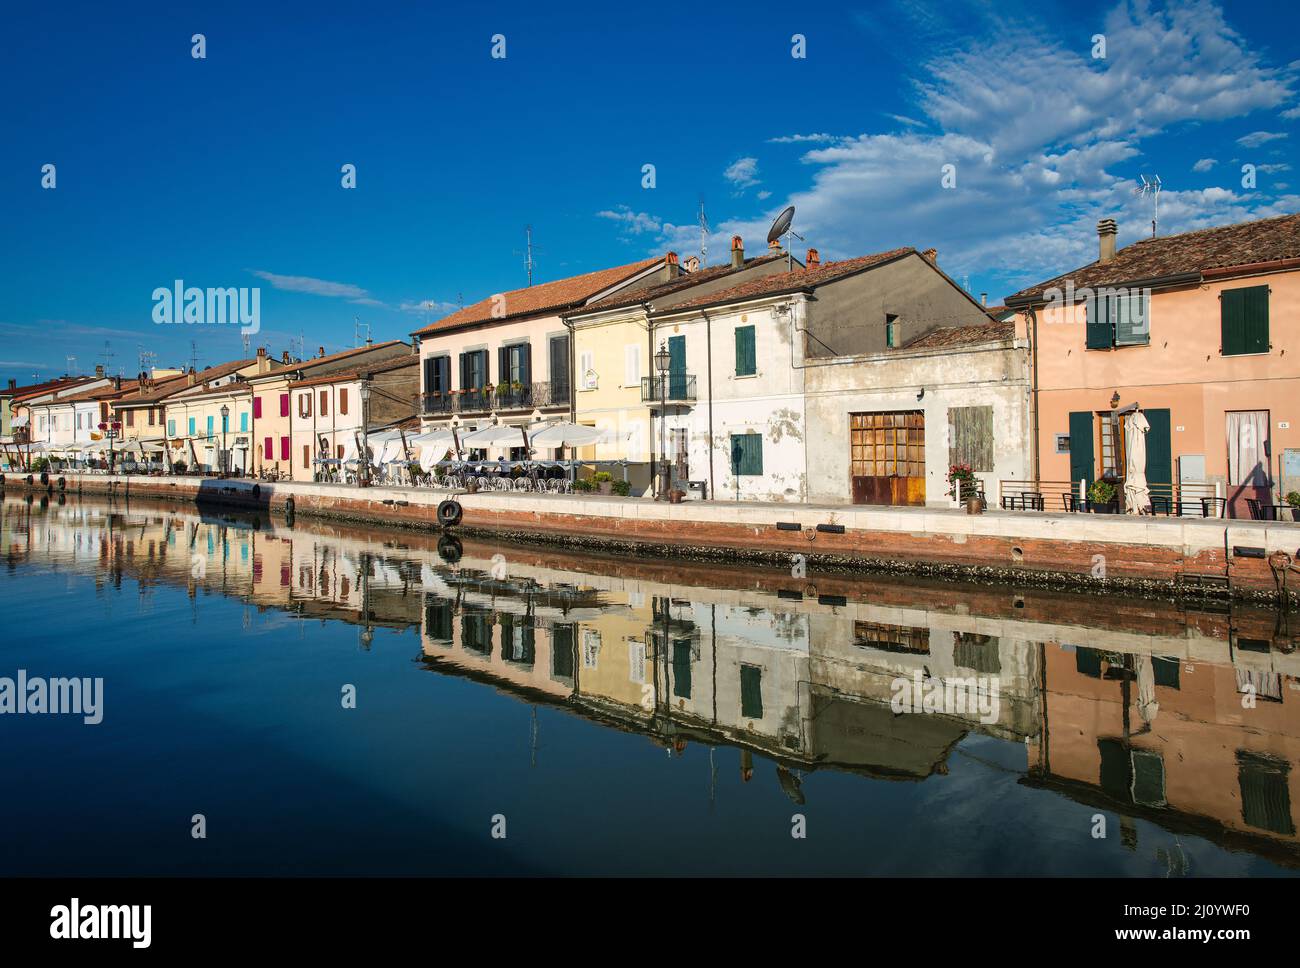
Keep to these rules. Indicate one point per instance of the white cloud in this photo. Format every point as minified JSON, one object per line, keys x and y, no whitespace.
{"x":1205,"y":164}
{"x":792,"y":139}
{"x":1257,"y":138}
{"x":743,"y":173}
{"x":634,"y":223}
{"x":320,"y":287}
{"x":1272,"y":169}
{"x":904,"y":119}
{"x":1291,"y":113}
{"x":433,"y":307}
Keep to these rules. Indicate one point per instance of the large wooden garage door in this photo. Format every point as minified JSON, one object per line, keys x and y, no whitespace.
{"x":887,"y":456}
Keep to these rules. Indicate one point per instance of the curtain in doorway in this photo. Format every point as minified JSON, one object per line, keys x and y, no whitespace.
{"x":1248,"y":461}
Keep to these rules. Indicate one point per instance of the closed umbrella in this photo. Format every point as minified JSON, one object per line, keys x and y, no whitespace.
{"x":1137,"y":496}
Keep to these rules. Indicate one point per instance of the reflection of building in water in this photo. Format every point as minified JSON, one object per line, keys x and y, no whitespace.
{"x":1158,"y":733}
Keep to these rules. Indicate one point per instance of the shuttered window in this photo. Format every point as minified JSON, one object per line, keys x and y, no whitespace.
{"x":343,"y":401}
{"x":1244,"y":320}
{"x":284,"y":405}
{"x":751,"y":692}
{"x":284,"y":448}
{"x":257,"y":408}
{"x":171,"y":428}
{"x":1100,"y":335}
{"x":632,"y":365}
{"x":970,"y":437}
{"x":1265,"y":792}
{"x":746,"y":454}
{"x":1118,"y":319}
{"x":682,"y":668}
{"x":746,"y":365}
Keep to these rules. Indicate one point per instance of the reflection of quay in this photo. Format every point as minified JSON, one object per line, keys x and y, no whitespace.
{"x":1130,"y":707}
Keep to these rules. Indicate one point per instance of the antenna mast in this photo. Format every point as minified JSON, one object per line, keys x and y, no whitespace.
{"x":1151,"y":187}
{"x":529,"y":263}
{"x":358,"y":326}
{"x":704,"y":236}
{"x":107,"y":357}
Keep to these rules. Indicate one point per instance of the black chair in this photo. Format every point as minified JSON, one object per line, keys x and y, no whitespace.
{"x":1161,"y":504}
{"x":1071,"y":503}
{"x":1214,"y":507}
{"x":1255,"y":513}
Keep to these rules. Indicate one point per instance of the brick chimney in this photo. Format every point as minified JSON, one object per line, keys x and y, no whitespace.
{"x":737,"y":252}
{"x":672,"y":268}
{"x":117,"y":383}
{"x":1106,"y":232}
{"x":263,"y":361}
{"x":191,"y":377}
{"x":99,"y":371}
{"x":284,"y":358}
{"x":13,"y":384}
{"x":932,"y":255}
{"x":774,"y":246}
{"x":814,"y":260}
{"x":320,"y":351}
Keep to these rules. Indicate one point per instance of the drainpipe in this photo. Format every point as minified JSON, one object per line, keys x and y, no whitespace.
{"x":708,"y":343}
{"x":1033,"y":355}
{"x":573,"y":393}
{"x":655,"y":476}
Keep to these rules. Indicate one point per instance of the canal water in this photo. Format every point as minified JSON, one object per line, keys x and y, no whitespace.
{"x":326,"y":699}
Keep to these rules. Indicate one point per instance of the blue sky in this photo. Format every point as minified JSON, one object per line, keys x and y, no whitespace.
{"x":225,"y":171}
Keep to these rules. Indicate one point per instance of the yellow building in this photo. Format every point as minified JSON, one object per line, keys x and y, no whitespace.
{"x":209,"y":428}
{"x":615,"y":377}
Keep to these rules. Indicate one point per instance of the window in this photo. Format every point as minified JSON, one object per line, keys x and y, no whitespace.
{"x":751,"y":692}
{"x":587,"y":370}
{"x":1244,"y":320}
{"x":191,"y":427}
{"x":304,"y":404}
{"x":151,"y":417}
{"x":284,"y":405}
{"x":257,"y":408}
{"x":474,"y":370}
{"x":682,"y":668}
{"x":130,"y":419}
{"x":891,"y":330}
{"x":745,"y":362}
{"x":1117,"y":318}
{"x":437,"y":375}
{"x":211,"y":421}
{"x":1062,"y":443}
{"x":324,"y":403}
{"x":284,"y":448}
{"x":268,"y":449}
{"x":970,"y":437}
{"x":343,"y":401}
{"x":515,"y":363}
{"x":171,"y":428}
{"x":243,"y":421}
{"x":632,"y":365}
{"x":746,"y":454}
{"x":1265,"y":792}
{"x":306,"y":455}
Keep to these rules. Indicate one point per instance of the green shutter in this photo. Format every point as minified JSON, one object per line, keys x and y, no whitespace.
{"x":1160,"y":464}
{"x":1101,"y":335}
{"x":682,"y":669}
{"x":1243,"y":315}
{"x":1081,"y":459}
{"x":746,"y":454}
{"x":746,"y":364}
{"x":1132,"y":320}
{"x":751,"y":692}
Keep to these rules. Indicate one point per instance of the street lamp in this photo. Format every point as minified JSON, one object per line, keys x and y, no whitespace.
{"x":663,"y":360}
{"x":225,"y":454}
{"x":363,"y":475}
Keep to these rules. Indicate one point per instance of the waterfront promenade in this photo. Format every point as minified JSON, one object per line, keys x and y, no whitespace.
{"x":1152,"y":555}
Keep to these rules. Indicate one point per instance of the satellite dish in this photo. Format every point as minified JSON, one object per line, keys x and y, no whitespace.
{"x":781,"y":225}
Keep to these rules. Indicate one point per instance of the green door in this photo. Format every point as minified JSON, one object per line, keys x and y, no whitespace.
{"x":1081,"y":458}
{"x":676,"y":367}
{"x":1160,"y":464}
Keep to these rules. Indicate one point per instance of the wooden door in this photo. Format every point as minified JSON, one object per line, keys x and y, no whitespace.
{"x":887,"y":457}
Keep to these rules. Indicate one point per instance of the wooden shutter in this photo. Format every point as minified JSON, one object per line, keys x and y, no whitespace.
{"x":343,"y":401}
{"x":746,"y":454}
{"x":746,"y":365}
{"x":970,"y":437}
{"x":1081,"y":450}
{"x":1160,"y":463}
{"x":751,"y":692}
{"x":1132,"y":319}
{"x":1101,"y":335}
{"x":1244,"y":320}
{"x":503,"y":364}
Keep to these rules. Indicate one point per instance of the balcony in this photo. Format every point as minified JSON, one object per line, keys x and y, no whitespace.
{"x":529,"y":396}
{"x":680,"y":388}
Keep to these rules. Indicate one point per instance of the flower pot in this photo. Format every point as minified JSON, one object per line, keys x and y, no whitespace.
{"x":606,"y":487}
{"x":974,"y":505}
{"x":676,"y":496}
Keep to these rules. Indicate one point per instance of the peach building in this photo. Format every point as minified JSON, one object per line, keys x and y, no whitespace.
{"x":1194,"y":330}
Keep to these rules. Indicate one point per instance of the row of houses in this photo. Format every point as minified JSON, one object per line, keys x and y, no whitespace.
{"x":771,"y":378}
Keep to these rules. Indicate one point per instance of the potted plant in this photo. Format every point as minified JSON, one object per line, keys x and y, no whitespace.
{"x":676,"y":495}
{"x":604,"y":481}
{"x":1103,"y":497}
{"x":964,"y":475}
{"x":1293,"y":499}
{"x":623,"y":488}
{"x":583,"y":486}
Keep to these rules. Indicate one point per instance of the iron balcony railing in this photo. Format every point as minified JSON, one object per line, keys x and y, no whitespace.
{"x":675,"y":388}
{"x":528,"y":396}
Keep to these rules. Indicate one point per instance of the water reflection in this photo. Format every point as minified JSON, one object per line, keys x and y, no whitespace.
{"x":1134,"y":708}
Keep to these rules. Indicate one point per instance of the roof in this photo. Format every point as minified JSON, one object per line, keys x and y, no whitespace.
{"x":952,"y":336}
{"x":682,"y":282}
{"x":799,"y":279}
{"x":20,"y":394}
{"x":1190,"y":254}
{"x":346,"y":376}
{"x":549,"y":297}
{"x":161,"y":389}
{"x":107,"y":392}
{"x":285,"y":369}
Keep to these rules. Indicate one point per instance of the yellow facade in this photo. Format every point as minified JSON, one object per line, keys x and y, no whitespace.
{"x":612,"y":352}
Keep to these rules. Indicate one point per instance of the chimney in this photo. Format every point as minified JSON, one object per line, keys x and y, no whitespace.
{"x":99,"y":371}
{"x":774,"y":246}
{"x":285,"y":357}
{"x":984,"y":300}
{"x":190,"y":377}
{"x":737,"y":252}
{"x":320,"y":351}
{"x":1106,"y":232}
{"x":672,"y":268}
{"x":932,"y":255}
{"x":814,"y":259}
{"x":13,"y":384}
{"x":117,"y":383}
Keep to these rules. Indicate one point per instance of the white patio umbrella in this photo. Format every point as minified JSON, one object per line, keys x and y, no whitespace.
{"x":1137,"y":496}
{"x":566,"y":434}
{"x":497,"y":434}
{"x":432,"y":446}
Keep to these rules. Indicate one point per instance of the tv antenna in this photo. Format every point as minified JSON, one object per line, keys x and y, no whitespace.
{"x":194,"y":356}
{"x":147,"y":358}
{"x":704,"y":236}
{"x":107,"y":356}
{"x":529,"y":262}
{"x":1151,"y":186}
{"x":782,"y":226}
{"x":358,"y":326}
{"x":71,"y":363}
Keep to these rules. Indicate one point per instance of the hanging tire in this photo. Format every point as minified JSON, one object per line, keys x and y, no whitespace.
{"x":449,"y":514}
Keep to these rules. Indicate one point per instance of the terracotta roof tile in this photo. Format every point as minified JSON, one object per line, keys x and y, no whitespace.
{"x":964,"y":336}
{"x":284,"y":369}
{"x":1225,"y":246}
{"x":169,"y":385}
{"x":549,"y":297}
{"x":685,"y":281}
{"x":108,"y":392}
{"x":344,"y":376}
{"x":794,"y":281}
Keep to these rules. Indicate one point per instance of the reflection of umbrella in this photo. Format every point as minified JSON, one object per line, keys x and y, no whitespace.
{"x":1137,"y":497}
{"x":1146,"y":677}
